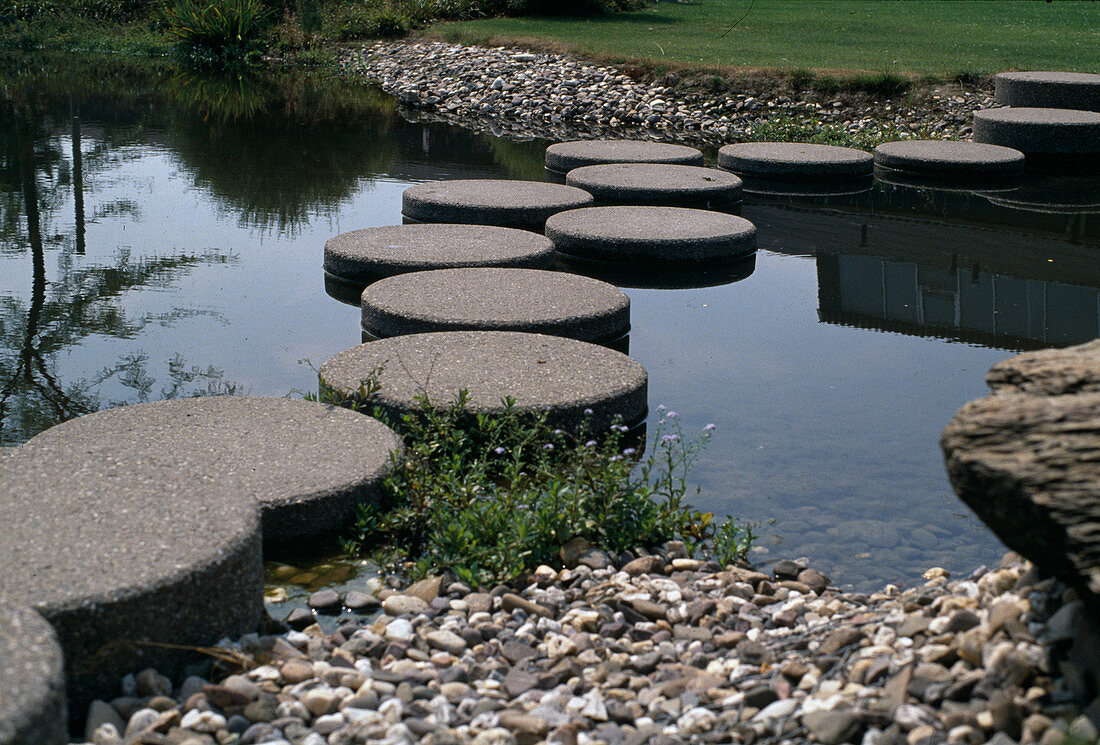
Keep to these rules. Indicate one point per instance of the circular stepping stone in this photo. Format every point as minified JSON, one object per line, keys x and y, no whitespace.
{"x":308,"y":464}
{"x":532,"y":300}
{"x":32,"y":699}
{"x":946,"y":161}
{"x":1040,"y":131}
{"x":657,"y":184}
{"x":563,"y":377}
{"x":787,"y":160}
{"x":362,"y":256}
{"x":665,"y":276}
{"x":563,"y":157}
{"x":651,"y":234}
{"x":119,"y":549}
{"x":1048,"y":89}
{"x":511,"y":204}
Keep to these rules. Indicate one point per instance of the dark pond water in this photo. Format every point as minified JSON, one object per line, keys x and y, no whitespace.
{"x":162,"y":235}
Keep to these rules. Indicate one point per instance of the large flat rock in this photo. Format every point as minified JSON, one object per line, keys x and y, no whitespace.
{"x":563,"y":157}
{"x":533,"y":300}
{"x":560,"y":376}
{"x":1048,"y":89}
{"x":658,"y":184}
{"x":510,"y":204}
{"x":32,"y":697}
{"x":1025,"y":459}
{"x":307,"y":464}
{"x":362,"y":256}
{"x":643,"y":236}
{"x":1039,"y":131}
{"x":126,"y":551}
{"x":950,"y":158}
{"x":787,"y":160}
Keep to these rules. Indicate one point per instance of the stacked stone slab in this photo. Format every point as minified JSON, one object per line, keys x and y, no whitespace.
{"x":651,"y":236}
{"x":32,"y":697}
{"x":563,"y":157}
{"x":658,"y":184}
{"x":307,"y":464}
{"x":362,"y":256}
{"x":510,"y":204}
{"x":580,"y":385}
{"x":482,"y":298}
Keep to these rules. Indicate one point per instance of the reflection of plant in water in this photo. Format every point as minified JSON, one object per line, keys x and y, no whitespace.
{"x":222,"y":97}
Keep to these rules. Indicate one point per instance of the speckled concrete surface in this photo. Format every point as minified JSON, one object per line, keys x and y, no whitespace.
{"x":658,"y":184}
{"x":793,"y":159}
{"x":510,"y":204}
{"x":550,"y":373}
{"x":651,"y":234}
{"x":367,"y":254}
{"x":1040,"y":131}
{"x":950,"y":158}
{"x":563,"y":157}
{"x":1048,"y":89}
{"x":32,"y":697}
{"x":533,"y":300}
{"x":308,"y":464}
{"x":116,"y":549}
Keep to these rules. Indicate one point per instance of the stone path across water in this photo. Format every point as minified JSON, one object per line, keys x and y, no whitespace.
{"x":794,"y":160}
{"x":532,"y":300}
{"x":1038,"y":131}
{"x":510,"y":204}
{"x":563,"y":377}
{"x":308,"y":464}
{"x":658,"y":184}
{"x":563,"y":157}
{"x":1048,"y":89}
{"x":365,"y":255}
{"x":32,"y":694}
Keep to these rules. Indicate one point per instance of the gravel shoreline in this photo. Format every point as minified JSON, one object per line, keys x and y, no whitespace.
{"x":663,"y":650}
{"x":523,"y":94}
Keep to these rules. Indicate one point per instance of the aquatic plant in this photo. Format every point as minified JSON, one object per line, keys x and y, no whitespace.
{"x":490,"y":496}
{"x":218,"y":32}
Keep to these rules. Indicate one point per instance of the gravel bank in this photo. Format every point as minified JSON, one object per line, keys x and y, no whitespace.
{"x":539,"y":94}
{"x":663,"y":649}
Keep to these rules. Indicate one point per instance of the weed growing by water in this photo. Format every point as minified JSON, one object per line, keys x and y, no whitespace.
{"x":490,"y":496}
{"x":787,"y":127}
{"x":218,"y":32}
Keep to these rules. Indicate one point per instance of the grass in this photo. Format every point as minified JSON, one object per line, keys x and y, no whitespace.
{"x":944,"y":38}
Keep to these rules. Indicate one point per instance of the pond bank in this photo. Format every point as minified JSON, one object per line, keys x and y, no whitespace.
{"x":518,"y":93}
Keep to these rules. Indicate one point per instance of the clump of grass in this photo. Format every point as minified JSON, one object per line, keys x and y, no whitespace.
{"x":786,"y":127}
{"x":490,"y":497}
{"x":218,"y":32}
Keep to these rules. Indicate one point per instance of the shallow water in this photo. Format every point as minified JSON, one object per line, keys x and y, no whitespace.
{"x":182,"y":252}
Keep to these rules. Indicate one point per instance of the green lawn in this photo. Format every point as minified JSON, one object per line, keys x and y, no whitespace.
{"x":939,"y":37}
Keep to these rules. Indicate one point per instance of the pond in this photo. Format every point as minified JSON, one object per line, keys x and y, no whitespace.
{"x":162,"y":235}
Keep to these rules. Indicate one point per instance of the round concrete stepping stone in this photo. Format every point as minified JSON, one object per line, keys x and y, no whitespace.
{"x":665,"y":276}
{"x":362,"y":256}
{"x":308,"y":464}
{"x":946,"y":162}
{"x":1040,"y":131}
{"x":117,"y":550}
{"x":784,"y":160}
{"x":658,"y":184}
{"x":563,"y":157}
{"x":563,"y":377}
{"x":651,"y":234}
{"x":1048,"y":89}
{"x":532,"y":300}
{"x":510,"y":204}
{"x":32,"y":698}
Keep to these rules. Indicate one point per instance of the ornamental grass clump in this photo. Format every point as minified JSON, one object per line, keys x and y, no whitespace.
{"x":491,"y":496}
{"x":218,"y":32}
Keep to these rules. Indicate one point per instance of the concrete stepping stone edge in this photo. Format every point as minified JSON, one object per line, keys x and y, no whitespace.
{"x":32,"y":697}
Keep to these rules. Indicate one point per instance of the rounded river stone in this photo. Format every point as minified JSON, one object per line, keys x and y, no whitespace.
{"x":510,"y":204}
{"x":565,"y":156}
{"x":367,"y":254}
{"x":1048,"y":89}
{"x":658,"y":184}
{"x":1040,"y":131}
{"x":32,"y":699}
{"x":308,"y":464}
{"x":794,"y":160}
{"x":118,"y":548}
{"x":560,"y":376}
{"x":651,"y":234}
{"x":532,"y":300}
{"x":947,"y":161}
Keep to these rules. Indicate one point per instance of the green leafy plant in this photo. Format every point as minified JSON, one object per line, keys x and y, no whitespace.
{"x":218,"y":31}
{"x":490,"y":496}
